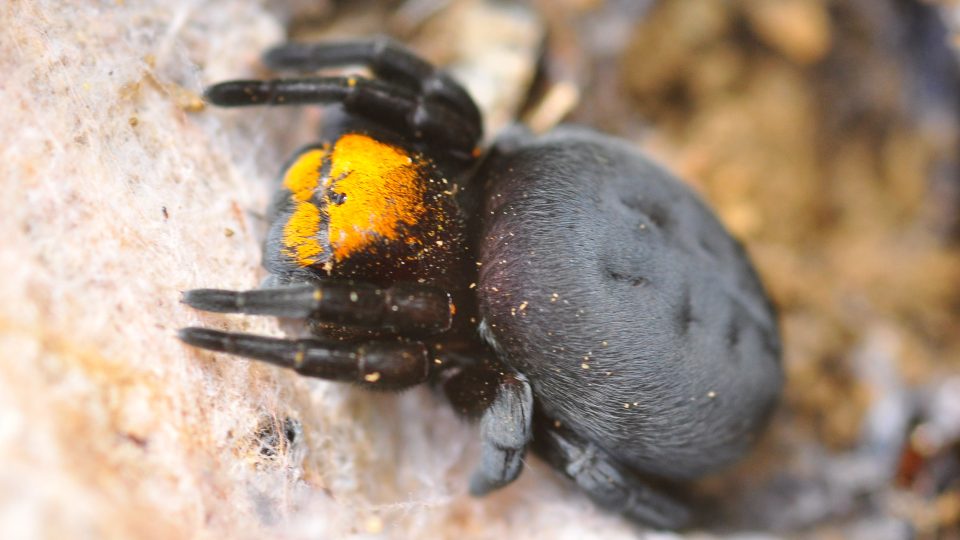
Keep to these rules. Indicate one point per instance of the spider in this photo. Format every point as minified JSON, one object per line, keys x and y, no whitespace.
{"x":562,"y":289}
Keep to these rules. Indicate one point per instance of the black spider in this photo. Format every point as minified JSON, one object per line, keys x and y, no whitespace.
{"x":563,"y":288}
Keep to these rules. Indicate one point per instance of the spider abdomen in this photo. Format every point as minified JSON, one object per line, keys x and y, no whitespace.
{"x":639,"y":321}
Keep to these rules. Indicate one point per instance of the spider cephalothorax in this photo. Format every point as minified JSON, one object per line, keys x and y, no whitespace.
{"x":563,"y":289}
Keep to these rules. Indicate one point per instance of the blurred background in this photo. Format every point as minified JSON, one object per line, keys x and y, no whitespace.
{"x":825,"y":133}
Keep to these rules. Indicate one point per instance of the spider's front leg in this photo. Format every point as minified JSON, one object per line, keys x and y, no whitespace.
{"x":408,"y":309}
{"x":387,"y":60}
{"x":408,"y":94}
{"x":380,"y":364}
{"x":388,"y":364}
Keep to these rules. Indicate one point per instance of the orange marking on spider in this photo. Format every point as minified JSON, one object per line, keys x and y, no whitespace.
{"x":301,"y":230}
{"x":303,"y":176}
{"x":373,"y":191}
{"x":379,"y":190}
{"x":300,"y":234}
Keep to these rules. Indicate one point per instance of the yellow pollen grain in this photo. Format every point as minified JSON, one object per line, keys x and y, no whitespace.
{"x":372,"y":377}
{"x":383,"y":191}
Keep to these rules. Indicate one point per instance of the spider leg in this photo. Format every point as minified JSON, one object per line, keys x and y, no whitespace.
{"x":387,"y":59}
{"x":380,"y":365}
{"x":505,"y":430}
{"x":609,"y":484}
{"x":388,"y":104}
{"x":409,"y":309}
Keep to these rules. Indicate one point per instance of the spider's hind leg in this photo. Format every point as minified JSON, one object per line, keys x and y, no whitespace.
{"x":480,"y":387}
{"x":611,"y":485}
{"x":505,"y":431}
